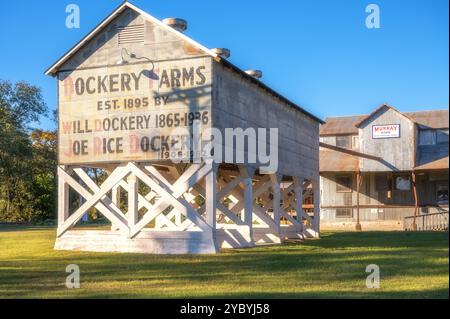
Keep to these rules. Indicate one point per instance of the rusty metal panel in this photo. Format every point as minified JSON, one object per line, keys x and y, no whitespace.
{"x":345,"y":125}
{"x":334,"y":161}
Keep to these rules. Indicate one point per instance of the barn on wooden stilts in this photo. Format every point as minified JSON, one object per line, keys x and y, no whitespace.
{"x":128,"y":93}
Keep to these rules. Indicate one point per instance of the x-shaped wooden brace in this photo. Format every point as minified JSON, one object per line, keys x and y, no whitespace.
{"x":287,"y":199}
{"x":144,"y":202}
{"x":259,"y":188}
{"x":171,"y":195}
{"x":227,"y":187}
{"x":99,"y":200}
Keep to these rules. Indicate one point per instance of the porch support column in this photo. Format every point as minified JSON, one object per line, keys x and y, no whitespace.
{"x":316,"y":191}
{"x":416,"y":200}
{"x":358,"y":190}
{"x":276,"y":180}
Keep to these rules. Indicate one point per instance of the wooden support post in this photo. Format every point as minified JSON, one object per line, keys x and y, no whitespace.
{"x":115,"y":198}
{"x":276,"y":201}
{"x":133,"y":203}
{"x":247,"y":174}
{"x":416,"y":200}
{"x":316,"y":221}
{"x":298,"y":183}
{"x":248,"y":198}
{"x":211,"y":197}
{"x":358,"y":190}
{"x":63,"y":198}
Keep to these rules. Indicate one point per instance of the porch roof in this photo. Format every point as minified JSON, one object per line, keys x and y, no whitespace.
{"x":438,"y":164}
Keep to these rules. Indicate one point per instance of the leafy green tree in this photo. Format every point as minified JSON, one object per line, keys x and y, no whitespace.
{"x":21,"y":105}
{"x":44,"y":179}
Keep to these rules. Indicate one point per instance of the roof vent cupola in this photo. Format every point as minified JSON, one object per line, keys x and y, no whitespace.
{"x":257,"y":74}
{"x":176,"y":23}
{"x":222,"y":52}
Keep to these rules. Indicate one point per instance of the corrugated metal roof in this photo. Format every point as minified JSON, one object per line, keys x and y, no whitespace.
{"x":431,"y":119}
{"x":379,"y":110}
{"x":341,"y":125}
{"x":347,"y":124}
{"x":334,"y":161}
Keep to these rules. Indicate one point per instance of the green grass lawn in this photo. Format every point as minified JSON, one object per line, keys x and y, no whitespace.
{"x":413,"y":265}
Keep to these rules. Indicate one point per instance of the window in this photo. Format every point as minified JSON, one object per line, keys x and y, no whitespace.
{"x":382,"y":183}
{"x":344,"y":141}
{"x":427,"y":137}
{"x":344,"y":184}
{"x":402,"y":183}
{"x":344,"y":213}
{"x":442,"y":192}
{"x":442,"y":137}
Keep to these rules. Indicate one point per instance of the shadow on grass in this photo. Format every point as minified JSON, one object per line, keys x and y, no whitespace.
{"x":338,"y":260}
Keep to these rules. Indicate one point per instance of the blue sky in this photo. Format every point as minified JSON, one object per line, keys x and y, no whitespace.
{"x":317,"y":53}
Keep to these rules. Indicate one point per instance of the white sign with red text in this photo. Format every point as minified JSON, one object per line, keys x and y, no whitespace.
{"x":386,"y":131}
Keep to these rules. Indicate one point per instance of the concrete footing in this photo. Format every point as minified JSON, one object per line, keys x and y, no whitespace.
{"x":149,"y":242}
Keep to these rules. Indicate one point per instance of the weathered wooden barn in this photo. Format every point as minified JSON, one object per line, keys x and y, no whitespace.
{"x":378,"y":169}
{"x":124,"y":92}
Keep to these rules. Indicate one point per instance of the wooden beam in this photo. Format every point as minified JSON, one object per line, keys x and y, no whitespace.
{"x":275,"y":179}
{"x":133,"y":198}
{"x":298,"y":183}
{"x":350,"y":152}
{"x":247,"y":174}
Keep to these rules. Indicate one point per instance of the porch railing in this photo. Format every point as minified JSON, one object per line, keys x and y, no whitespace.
{"x":428,"y":222}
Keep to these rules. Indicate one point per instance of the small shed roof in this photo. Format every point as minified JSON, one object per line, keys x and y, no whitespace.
{"x":438,"y":164}
{"x":341,"y":125}
{"x":335,"y":161}
{"x":431,"y":119}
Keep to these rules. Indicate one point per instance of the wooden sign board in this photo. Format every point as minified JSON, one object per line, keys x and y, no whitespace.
{"x":132,"y":112}
{"x":386,"y":131}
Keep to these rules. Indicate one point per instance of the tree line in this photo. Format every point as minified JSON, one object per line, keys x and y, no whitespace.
{"x":28,"y":156}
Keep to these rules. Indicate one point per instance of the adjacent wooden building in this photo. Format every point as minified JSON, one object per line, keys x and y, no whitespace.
{"x":377,"y":169}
